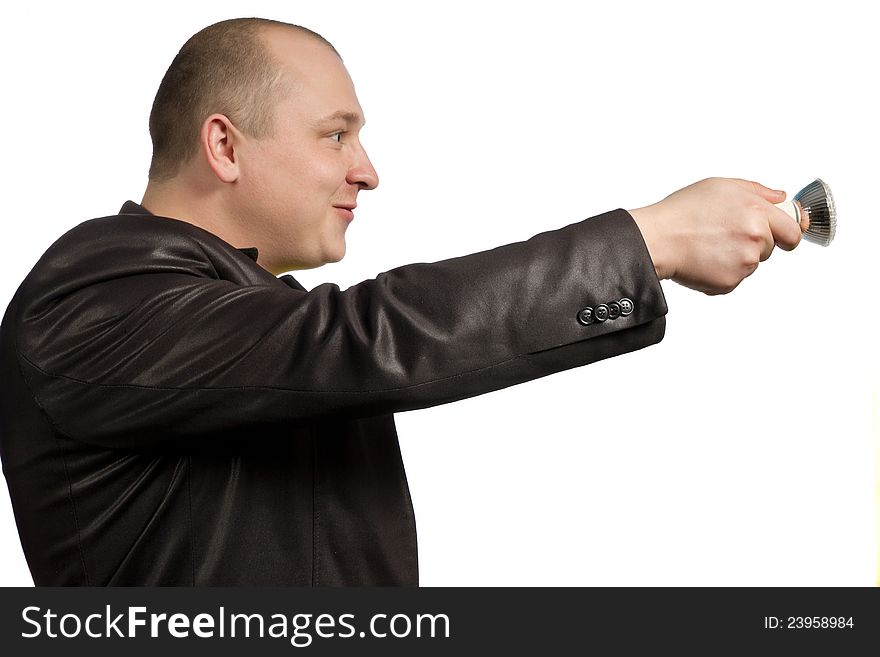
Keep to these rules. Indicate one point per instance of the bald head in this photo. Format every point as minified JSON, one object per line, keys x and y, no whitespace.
{"x":256,"y":133}
{"x":230,"y":68}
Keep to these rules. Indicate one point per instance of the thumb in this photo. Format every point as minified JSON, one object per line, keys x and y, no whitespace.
{"x":772,"y":195}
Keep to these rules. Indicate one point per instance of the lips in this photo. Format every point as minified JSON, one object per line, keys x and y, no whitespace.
{"x":346,"y":211}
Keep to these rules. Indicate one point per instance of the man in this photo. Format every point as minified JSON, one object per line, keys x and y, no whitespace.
{"x":174,"y":413}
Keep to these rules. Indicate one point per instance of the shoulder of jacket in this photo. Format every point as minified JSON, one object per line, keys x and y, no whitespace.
{"x":124,"y":245}
{"x":119,"y":248}
{"x":120,"y":243}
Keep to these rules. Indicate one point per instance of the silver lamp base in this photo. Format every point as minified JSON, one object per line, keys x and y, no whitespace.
{"x":815,"y":204}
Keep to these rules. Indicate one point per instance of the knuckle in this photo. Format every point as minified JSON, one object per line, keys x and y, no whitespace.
{"x":728,"y":283}
{"x":750,"y":256}
{"x":754,"y":233}
{"x":756,"y":226}
{"x":713,"y":183}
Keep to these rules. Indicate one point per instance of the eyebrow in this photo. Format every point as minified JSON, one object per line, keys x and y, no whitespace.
{"x":350,"y":117}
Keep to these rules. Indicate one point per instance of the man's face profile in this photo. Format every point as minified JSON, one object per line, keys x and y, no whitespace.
{"x":293,"y":181}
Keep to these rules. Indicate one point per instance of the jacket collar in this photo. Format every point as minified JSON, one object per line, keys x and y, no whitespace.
{"x":130,"y":207}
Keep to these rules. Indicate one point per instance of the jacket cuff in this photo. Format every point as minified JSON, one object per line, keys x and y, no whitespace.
{"x":612,"y":284}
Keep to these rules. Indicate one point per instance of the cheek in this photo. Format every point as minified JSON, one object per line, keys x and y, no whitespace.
{"x":300,"y":177}
{"x":316,"y":177}
{"x":327,"y":171}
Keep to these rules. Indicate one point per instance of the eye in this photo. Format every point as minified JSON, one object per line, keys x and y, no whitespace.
{"x":340,"y":133}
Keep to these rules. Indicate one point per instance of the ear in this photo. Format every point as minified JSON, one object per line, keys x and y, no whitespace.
{"x":218,"y":142}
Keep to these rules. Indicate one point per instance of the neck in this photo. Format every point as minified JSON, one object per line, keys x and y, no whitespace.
{"x":206,"y":209}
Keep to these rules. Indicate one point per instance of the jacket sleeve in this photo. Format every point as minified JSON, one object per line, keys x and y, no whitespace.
{"x":163,"y":354}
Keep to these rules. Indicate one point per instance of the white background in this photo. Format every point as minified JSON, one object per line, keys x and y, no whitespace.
{"x":738,"y":451}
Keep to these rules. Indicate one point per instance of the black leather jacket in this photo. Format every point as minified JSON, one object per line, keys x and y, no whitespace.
{"x":173,"y":414}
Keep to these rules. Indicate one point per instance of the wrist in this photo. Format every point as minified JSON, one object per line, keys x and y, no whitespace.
{"x":646,"y":220}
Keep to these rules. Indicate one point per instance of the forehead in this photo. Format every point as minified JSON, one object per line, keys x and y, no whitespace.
{"x":322,"y":90}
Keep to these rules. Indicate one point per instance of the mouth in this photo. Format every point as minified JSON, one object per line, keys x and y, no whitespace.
{"x":346,"y":211}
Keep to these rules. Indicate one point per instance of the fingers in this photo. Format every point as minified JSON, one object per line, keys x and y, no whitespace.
{"x":805,"y":220}
{"x":786,"y":232}
{"x":766,"y":250}
{"x":771,"y":195}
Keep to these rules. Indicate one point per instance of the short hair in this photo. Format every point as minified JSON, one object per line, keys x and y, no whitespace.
{"x":226,"y":68}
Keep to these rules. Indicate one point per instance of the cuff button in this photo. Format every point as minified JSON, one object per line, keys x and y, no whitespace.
{"x":585,"y":316}
{"x":601,"y":313}
{"x":614,"y":310}
{"x":626,"y":306}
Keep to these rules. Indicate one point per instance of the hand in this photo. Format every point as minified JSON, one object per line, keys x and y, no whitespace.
{"x":710,"y":235}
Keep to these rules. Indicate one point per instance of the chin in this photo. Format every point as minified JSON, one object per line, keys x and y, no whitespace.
{"x":337,"y":254}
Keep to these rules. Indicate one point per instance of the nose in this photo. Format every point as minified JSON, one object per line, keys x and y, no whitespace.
{"x":362,"y":172}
